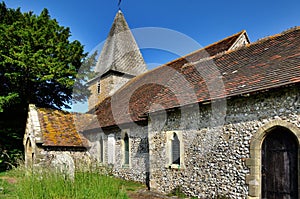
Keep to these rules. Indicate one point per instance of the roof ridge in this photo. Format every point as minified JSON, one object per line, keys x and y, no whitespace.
{"x":60,"y":110}
{"x":250,"y":44}
{"x":198,"y":50}
{"x":278,"y":34}
{"x":234,"y":35}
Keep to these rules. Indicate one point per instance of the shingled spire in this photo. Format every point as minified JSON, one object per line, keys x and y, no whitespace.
{"x":120,"y":52}
{"x":119,"y":61}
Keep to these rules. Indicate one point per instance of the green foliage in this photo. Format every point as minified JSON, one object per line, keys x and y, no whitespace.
{"x":85,"y":73}
{"x":11,"y":137}
{"x":86,"y":185}
{"x":177,"y":192}
{"x":38,"y":63}
{"x":6,"y":100}
{"x":52,"y":185}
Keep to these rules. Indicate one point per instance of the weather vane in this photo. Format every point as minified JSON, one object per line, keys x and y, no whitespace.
{"x":119,"y":4}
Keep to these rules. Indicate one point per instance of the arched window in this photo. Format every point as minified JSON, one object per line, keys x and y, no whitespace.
{"x":101,"y":149}
{"x":111,"y":143}
{"x":175,"y":150}
{"x":126,"y":149}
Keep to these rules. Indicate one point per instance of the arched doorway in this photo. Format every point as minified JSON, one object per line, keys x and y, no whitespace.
{"x":29,"y":153}
{"x":279,"y":164}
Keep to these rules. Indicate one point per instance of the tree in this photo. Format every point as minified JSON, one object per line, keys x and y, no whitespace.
{"x":38,"y":63}
{"x":84,"y":75}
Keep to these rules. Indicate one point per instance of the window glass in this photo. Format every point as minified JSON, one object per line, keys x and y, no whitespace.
{"x":126,"y":145}
{"x":175,"y":150}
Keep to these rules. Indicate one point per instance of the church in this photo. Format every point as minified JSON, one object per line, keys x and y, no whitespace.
{"x":223,"y":120}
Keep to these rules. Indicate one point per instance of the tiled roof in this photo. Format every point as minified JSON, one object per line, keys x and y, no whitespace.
{"x":61,"y":128}
{"x":120,"y":52}
{"x":269,"y":63}
{"x":215,"y":48}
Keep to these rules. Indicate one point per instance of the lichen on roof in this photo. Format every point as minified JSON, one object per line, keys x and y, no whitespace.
{"x":61,"y":128}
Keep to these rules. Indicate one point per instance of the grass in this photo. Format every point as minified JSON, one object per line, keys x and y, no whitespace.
{"x":177,"y":192}
{"x":7,"y":187}
{"x":50,"y":185}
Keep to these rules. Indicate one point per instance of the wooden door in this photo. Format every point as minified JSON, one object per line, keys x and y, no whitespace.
{"x":280,"y":165}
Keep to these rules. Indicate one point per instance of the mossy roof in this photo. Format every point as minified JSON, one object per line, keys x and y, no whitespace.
{"x":63,"y":129}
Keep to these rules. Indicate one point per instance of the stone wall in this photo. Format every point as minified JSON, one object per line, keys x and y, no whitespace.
{"x":94,"y":136}
{"x":108,"y":86}
{"x":138,"y":166}
{"x":137,"y":169}
{"x":39,"y":156}
{"x":215,"y":156}
{"x":47,"y":157}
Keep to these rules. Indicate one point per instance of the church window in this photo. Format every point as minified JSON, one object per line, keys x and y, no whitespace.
{"x":101,"y":150}
{"x":111,"y":149}
{"x":175,"y":150}
{"x":126,"y":149}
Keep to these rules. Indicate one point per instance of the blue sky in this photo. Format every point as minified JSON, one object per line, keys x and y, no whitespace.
{"x":204,"y":21}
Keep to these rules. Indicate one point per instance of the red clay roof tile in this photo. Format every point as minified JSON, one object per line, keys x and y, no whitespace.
{"x":269,"y":63}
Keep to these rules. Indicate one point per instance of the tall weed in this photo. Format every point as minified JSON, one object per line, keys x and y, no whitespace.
{"x":48,"y":184}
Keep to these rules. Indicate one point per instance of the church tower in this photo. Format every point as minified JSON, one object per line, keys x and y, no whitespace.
{"x":120,"y":60}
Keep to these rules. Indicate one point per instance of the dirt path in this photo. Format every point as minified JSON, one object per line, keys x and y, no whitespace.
{"x":145,"y":194}
{"x":10,"y":180}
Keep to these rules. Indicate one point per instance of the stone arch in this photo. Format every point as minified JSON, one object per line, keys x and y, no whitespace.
{"x":254,"y":162}
{"x":29,"y":153}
